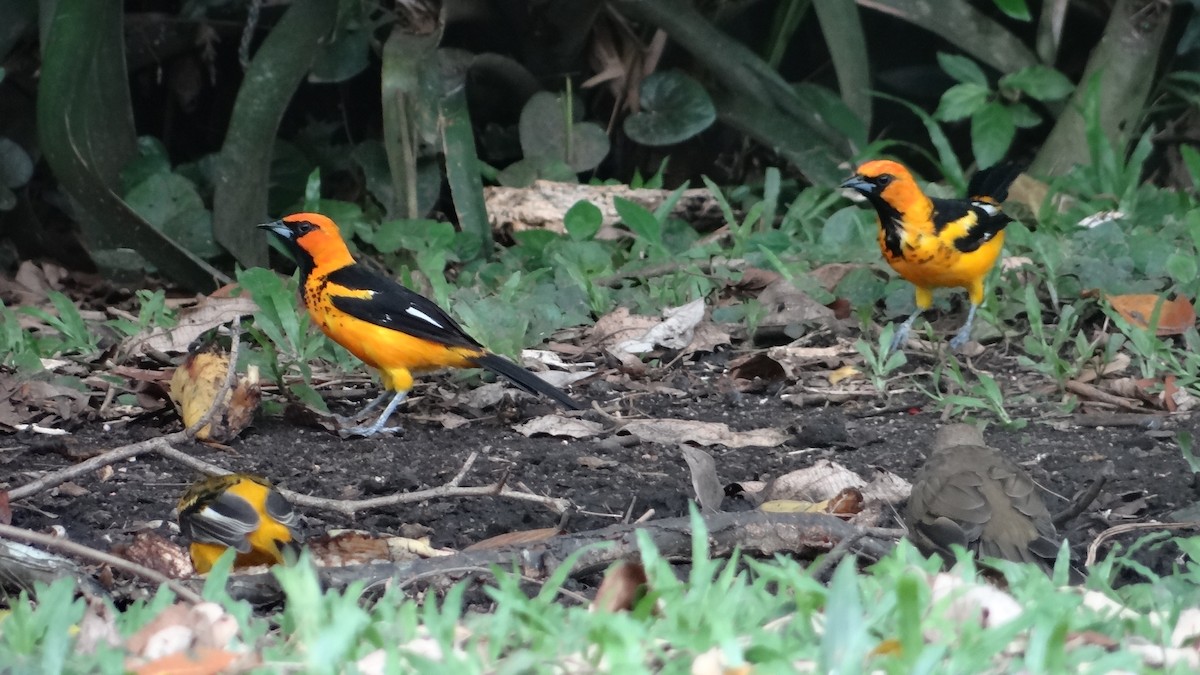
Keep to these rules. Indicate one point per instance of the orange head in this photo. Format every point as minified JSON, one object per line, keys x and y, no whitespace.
{"x":889,"y":187}
{"x":313,"y":239}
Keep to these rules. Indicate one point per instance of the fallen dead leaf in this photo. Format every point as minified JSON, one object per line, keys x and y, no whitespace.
{"x":624,"y":584}
{"x":193,"y":322}
{"x":826,"y":480}
{"x":593,"y":462}
{"x":160,"y":554}
{"x":677,"y":432}
{"x":518,"y":538}
{"x":787,"y":305}
{"x":180,"y":628}
{"x":98,"y":626}
{"x":559,"y":426}
{"x":5,"y":509}
{"x":793,"y":506}
{"x":1174,"y":316}
{"x":703,"y":469}
{"x":675,"y":331}
{"x":340,"y":548}
{"x":843,"y":373}
{"x":201,"y":661}
{"x":623,"y":334}
{"x":194,"y":387}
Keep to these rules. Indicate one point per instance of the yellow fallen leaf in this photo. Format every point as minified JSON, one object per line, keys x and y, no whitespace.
{"x":843,"y":373}
{"x":194,"y":387}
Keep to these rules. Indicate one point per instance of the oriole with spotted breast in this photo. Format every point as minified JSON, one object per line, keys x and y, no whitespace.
{"x":937,"y":243}
{"x":387,"y":326}
{"x":237,"y":511}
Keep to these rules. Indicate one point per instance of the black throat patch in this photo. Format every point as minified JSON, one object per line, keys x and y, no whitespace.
{"x":892,"y":222}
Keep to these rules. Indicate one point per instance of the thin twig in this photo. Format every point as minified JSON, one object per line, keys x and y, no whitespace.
{"x":462,"y":473}
{"x":111,"y":457}
{"x":1084,"y":500}
{"x":79,"y":550}
{"x":835,"y":555}
{"x":1094,"y":547}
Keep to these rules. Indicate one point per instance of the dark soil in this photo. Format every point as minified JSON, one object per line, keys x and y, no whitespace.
{"x":1151,"y":481}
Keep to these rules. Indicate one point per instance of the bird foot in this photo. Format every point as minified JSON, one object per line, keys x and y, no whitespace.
{"x":899,"y":338}
{"x":960,"y":340}
{"x":368,"y":430}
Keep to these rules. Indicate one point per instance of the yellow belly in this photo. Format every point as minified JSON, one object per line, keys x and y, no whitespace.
{"x":930,"y":262}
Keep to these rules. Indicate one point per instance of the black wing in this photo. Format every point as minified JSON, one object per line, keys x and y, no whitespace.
{"x":396,"y":307}
{"x":226,"y":519}
{"x":989,"y":220}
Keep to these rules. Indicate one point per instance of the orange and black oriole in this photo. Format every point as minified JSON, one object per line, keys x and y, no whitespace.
{"x":387,"y":326}
{"x":237,"y":511}
{"x":937,"y":243}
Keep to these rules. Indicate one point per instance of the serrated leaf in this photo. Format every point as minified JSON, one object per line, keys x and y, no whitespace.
{"x":675,"y":107}
{"x":992,"y":131}
{"x":962,"y":69}
{"x":1040,"y":82}
{"x":961,"y":101}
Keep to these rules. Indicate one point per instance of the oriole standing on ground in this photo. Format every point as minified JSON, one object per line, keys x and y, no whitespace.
{"x":387,"y":326}
{"x":937,"y":243}
{"x":241,"y":512}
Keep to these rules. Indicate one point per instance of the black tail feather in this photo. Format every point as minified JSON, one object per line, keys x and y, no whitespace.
{"x":526,"y":380}
{"x":994,"y":181}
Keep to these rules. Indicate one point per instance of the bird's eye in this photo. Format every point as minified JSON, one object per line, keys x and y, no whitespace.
{"x":304,"y":227}
{"x":884,"y":180}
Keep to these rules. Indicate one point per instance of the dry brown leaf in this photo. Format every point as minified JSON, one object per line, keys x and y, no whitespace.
{"x":843,"y":373}
{"x":181,"y":628}
{"x":194,"y":387}
{"x":355,"y":547}
{"x":5,"y":509}
{"x":559,"y":426}
{"x":158,"y":553}
{"x":758,"y":366}
{"x":624,"y":584}
{"x":678,"y":432}
{"x":846,"y":502}
{"x":1175,"y":316}
{"x":98,"y":626}
{"x":787,"y":305}
{"x":518,"y":538}
{"x":793,"y":506}
{"x":193,"y":322}
{"x":818,"y":482}
{"x":707,"y":485}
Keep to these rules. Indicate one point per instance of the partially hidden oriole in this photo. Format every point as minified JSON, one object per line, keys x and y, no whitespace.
{"x":937,"y":243}
{"x":237,"y":511}
{"x":387,"y":326}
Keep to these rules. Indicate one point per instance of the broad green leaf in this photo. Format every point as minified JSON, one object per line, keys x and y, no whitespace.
{"x":1040,"y":82}
{"x":345,"y":55}
{"x":410,"y":86}
{"x":639,"y":221}
{"x":550,"y":127}
{"x":1024,"y":116}
{"x":675,"y":107}
{"x":1182,"y":267}
{"x":16,"y":167}
{"x":962,"y":69}
{"x":992,"y":131}
{"x":961,"y":101}
{"x":462,"y":170}
{"x":847,"y":44}
{"x":1016,"y":9}
{"x":583,"y":220}
{"x":242,"y":176}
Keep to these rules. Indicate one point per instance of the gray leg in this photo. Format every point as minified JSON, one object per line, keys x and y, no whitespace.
{"x":378,"y":427}
{"x":901,"y":334}
{"x":960,"y":338}
{"x":366,"y":410}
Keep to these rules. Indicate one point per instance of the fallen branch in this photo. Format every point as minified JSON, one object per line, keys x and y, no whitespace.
{"x":754,"y":532}
{"x":86,"y":552}
{"x":22,"y":566}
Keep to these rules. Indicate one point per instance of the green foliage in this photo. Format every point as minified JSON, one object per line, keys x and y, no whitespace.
{"x":675,"y":108}
{"x":555,"y":141}
{"x":996,"y":114}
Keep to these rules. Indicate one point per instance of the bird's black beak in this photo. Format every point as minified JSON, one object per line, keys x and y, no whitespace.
{"x":280,"y":228}
{"x":859,"y":184}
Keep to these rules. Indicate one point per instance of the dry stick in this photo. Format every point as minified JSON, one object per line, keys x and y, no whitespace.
{"x":79,"y":550}
{"x":1084,"y":500}
{"x":753,"y":532}
{"x":134,"y":449}
{"x":1094,"y":547}
{"x":349,"y":507}
{"x":1087,"y":391}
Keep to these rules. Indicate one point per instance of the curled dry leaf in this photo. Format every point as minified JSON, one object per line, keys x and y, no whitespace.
{"x":181,"y":628}
{"x":623,"y":334}
{"x":678,"y":432}
{"x":827,"y":480}
{"x":787,"y":306}
{"x":703,"y":468}
{"x":559,"y":426}
{"x":193,"y":322}
{"x":194,"y":387}
{"x":1174,"y":316}
{"x":624,"y":584}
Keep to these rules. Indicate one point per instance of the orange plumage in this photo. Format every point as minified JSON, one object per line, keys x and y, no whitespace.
{"x":937,"y":243}
{"x":387,"y":326}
